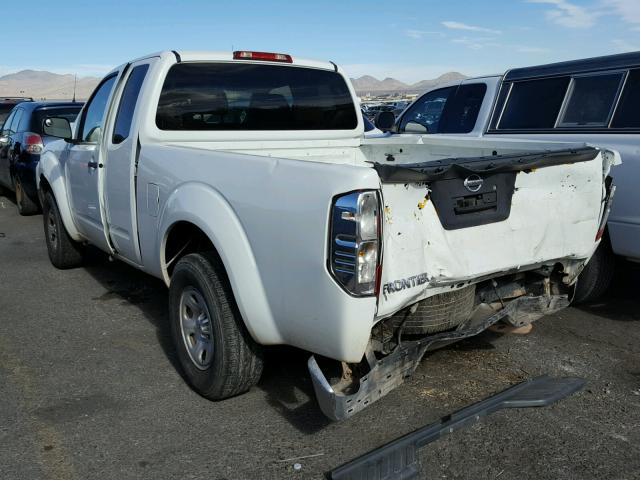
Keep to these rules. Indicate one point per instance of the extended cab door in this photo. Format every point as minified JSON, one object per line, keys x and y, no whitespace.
{"x":121,"y":165}
{"x":84,"y":165}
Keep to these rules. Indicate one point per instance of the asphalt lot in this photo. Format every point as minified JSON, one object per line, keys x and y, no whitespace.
{"x":89,"y":389}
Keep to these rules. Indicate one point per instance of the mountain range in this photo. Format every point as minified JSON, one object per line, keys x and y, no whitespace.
{"x":46,"y":85}
{"x":369,"y":84}
{"x":53,"y":86}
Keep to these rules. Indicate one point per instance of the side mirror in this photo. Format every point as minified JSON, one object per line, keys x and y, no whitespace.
{"x":385,"y":121}
{"x":415,"y":127}
{"x":57,"y":127}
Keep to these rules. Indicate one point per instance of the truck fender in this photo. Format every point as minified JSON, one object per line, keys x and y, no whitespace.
{"x":208,"y":209}
{"x":49,"y":167}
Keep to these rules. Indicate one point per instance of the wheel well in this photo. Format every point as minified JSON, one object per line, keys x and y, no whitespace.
{"x":184,"y":238}
{"x":44,"y":187}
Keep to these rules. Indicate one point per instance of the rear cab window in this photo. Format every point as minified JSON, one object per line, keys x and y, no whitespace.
{"x":229,"y":96}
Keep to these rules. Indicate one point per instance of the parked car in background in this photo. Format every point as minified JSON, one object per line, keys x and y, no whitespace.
{"x":22,"y":139}
{"x":370,"y":130}
{"x":372,"y":110}
{"x":7,"y":104}
{"x":595,"y":100}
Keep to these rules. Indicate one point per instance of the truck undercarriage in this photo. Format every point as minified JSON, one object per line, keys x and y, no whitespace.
{"x":399,"y":342}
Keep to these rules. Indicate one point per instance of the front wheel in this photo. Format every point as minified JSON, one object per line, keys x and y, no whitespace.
{"x":63,"y":251}
{"x":216,"y":352}
{"x":597,"y":276}
{"x":26,"y":206}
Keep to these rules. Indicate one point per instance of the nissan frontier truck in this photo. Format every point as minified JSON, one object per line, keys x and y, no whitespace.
{"x":243,"y":180}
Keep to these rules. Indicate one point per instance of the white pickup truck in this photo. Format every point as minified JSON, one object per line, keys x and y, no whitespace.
{"x":244,"y":181}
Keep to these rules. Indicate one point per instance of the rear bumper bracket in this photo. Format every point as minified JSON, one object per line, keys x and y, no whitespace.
{"x":391,"y":371}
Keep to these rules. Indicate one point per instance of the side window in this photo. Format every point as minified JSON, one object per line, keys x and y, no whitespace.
{"x":128,"y":103}
{"x":94,"y":113}
{"x":7,"y":123}
{"x":22,"y":123}
{"x":424,"y":115}
{"x":461,"y":110}
{"x":534,"y":104}
{"x":16,"y":120}
{"x":591,"y":100}
{"x":626,"y":115}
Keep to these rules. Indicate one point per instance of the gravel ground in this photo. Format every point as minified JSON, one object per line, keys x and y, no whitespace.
{"x":89,"y":389}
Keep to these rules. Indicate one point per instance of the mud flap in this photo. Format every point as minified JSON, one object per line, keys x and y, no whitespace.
{"x":398,"y":459}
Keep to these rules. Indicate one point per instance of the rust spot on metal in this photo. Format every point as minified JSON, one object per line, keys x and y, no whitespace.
{"x":424,"y":201}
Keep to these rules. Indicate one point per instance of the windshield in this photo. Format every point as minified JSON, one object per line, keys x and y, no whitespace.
{"x":235,"y":96}
{"x":5,"y":110}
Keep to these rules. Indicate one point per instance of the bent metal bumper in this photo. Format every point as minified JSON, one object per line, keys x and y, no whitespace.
{"x":391,"y":371}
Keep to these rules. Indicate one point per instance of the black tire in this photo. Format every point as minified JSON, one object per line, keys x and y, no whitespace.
{"x":64,"y":252}
{"x":597,"y":276}
{"x":25,"y":205}
{"x":236,"y":361}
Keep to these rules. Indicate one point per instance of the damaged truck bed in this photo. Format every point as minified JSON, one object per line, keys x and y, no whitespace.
{"x":470,"y":242}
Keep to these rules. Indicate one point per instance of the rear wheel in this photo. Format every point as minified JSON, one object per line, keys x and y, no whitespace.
{"x":63,"y":251}
{"x":597,"y":276}
{"x":26,"y":206}
{"x":216,"y":352}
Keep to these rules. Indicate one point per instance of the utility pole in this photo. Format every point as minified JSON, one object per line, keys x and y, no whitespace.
{"x":75,"y":82}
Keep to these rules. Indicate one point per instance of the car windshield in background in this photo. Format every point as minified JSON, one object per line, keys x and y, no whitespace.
{"x":5,"y":110}
{"x":368,"y":126}
{"x":70,"y":113}
{"x":208,"y":96}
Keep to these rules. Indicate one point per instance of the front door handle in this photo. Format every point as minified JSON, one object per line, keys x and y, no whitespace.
{"x":93,"y":164}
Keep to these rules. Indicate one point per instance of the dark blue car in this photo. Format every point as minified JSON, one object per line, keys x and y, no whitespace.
{"x":21,"y":142}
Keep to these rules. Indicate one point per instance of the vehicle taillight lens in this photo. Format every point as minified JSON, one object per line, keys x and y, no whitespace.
{"x":33,"y":143}
{"x":263,"y":56}
{"x":355,"y":242}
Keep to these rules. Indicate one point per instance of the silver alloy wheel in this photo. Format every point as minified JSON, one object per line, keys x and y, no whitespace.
{"x":52,"y":230}
{"x":195,"y":325}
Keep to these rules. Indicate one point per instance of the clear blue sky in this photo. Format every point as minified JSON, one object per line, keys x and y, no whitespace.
{"x":409,"y":40}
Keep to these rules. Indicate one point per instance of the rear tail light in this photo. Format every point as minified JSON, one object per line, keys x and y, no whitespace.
{"x":33,"y":143}
{"x":263,"y":56}
{"x":355,"y":242}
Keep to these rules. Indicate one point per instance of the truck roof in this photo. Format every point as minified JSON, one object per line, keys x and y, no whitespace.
{"x":608,"y":62}
{"x":217,"y":56}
